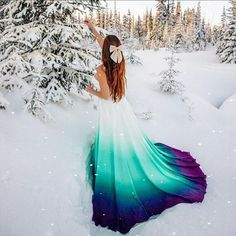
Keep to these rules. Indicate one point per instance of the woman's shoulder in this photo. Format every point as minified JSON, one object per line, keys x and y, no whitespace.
{"x":101,"y":68}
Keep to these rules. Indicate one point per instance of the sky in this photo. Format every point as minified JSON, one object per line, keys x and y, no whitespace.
{"x":211,"y":10}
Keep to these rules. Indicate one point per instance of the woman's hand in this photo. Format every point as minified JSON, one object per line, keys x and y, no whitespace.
{"x":89,"y":89}
{"x":88,"y":23}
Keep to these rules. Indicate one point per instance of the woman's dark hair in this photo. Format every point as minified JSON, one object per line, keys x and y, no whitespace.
{"x":115,"y":72}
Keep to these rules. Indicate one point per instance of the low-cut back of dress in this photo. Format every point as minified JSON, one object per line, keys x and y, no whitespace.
{"x":133,"y":178}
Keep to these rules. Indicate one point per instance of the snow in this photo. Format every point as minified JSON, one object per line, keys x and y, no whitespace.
{"x":229,"y":106}
{"x":43,"y":190}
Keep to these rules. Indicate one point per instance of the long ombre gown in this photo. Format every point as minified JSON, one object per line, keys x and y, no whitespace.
{"x":133,"y":178}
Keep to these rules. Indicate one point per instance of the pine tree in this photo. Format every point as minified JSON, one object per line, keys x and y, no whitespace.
{"x":98,"y":18}
{"x":227,"y":49}
{"x":148,"y":41}
{"x":177,"y":38}
{"x":145,"y":23}
{"x":215,"y":35}
{"x":129,"y":21}
{"x":132,"y":27}
{"x":219,"y":40}
{"x":2,"y":4}
{"x":198,"y":16}
{"x":200,"y":40}
{"x":43,"y":53}
{"x":167,"y":33}
{"x":190,"y":30}
{"x":223,"y":18}
{"x":139,"y":34}
{"x":116,"y":20}
{"x":208,"y":33}
{"x":202,"y":36}
{"x":102,"y":19}
{"x":169,"y":84}
{"x":178,"y":12}
{"x":3,"y":102}
{"x":106,"y":19}
{"x":90,"y":16}
{"x":150,"y":21}
{"x":159,"y":23}
{"x":171,"y":18}
{"x":110,"y":21}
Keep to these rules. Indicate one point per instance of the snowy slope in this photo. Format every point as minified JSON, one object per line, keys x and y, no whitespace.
{"x":43,"y":191}
{"x":229,"y":107}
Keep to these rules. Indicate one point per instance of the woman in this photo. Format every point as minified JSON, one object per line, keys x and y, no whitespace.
{"x":132,"y":178}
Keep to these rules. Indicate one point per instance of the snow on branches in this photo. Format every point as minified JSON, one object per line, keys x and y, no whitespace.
{"x":41,"y":50}
{"x":169,"y":84}
{"x":226,"y":45}
{"x":3,"y":102}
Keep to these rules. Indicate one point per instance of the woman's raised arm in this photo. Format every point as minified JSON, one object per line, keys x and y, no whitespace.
{"x":99,"y":38}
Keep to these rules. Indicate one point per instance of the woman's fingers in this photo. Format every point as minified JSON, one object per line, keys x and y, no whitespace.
{"x":88,"y":23}
{"x":89,"y":88}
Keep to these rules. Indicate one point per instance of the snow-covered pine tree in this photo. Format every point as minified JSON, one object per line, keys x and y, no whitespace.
{"x":168,"y":32}
{"x":3,"y":102}
{"x":132,"y":27}
{"x":110,"y":20}
{"x":148,"y":41}
{"x":168,"y":36}
{"x":177,"y":36}
{"x":190,"y":30}
{"x":39,"y":47}
{"x":198,"y":16}
{"x":150,"y":21}
{"x":2,"y":23}
{"x":159,"y":24}
{"x":125,"y":24}
{"x":132,"y":58}
{"x":91,"y":16}
{"x":145,"y":24}
{"x":208,"y":33}
{"x":223,"y":18}
{"x":201,"y":37}
{"x":116,"y":20}
{"x":169,"y":84}
{"x":139,"y":34}
{"x":129,"y":21}
{"x":199,"y":30}
{"x":171,"y":18}
{"x":219,"y":33}
{"x":103,"y":19}
{"x":35,"y":101}
{"x":98,"y":18}
{"x":215,"y":35}
{"x":185,"y":18}
{"x":178,"y":11}
{"x":106,"y":18}
{"x":227,"y":44}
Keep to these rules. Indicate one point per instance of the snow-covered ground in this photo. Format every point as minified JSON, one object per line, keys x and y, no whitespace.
{"x":43,"y":190}
{"x":229,"y":106}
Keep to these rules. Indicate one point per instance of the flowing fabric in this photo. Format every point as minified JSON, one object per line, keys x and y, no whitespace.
{"x":131,"y":177}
